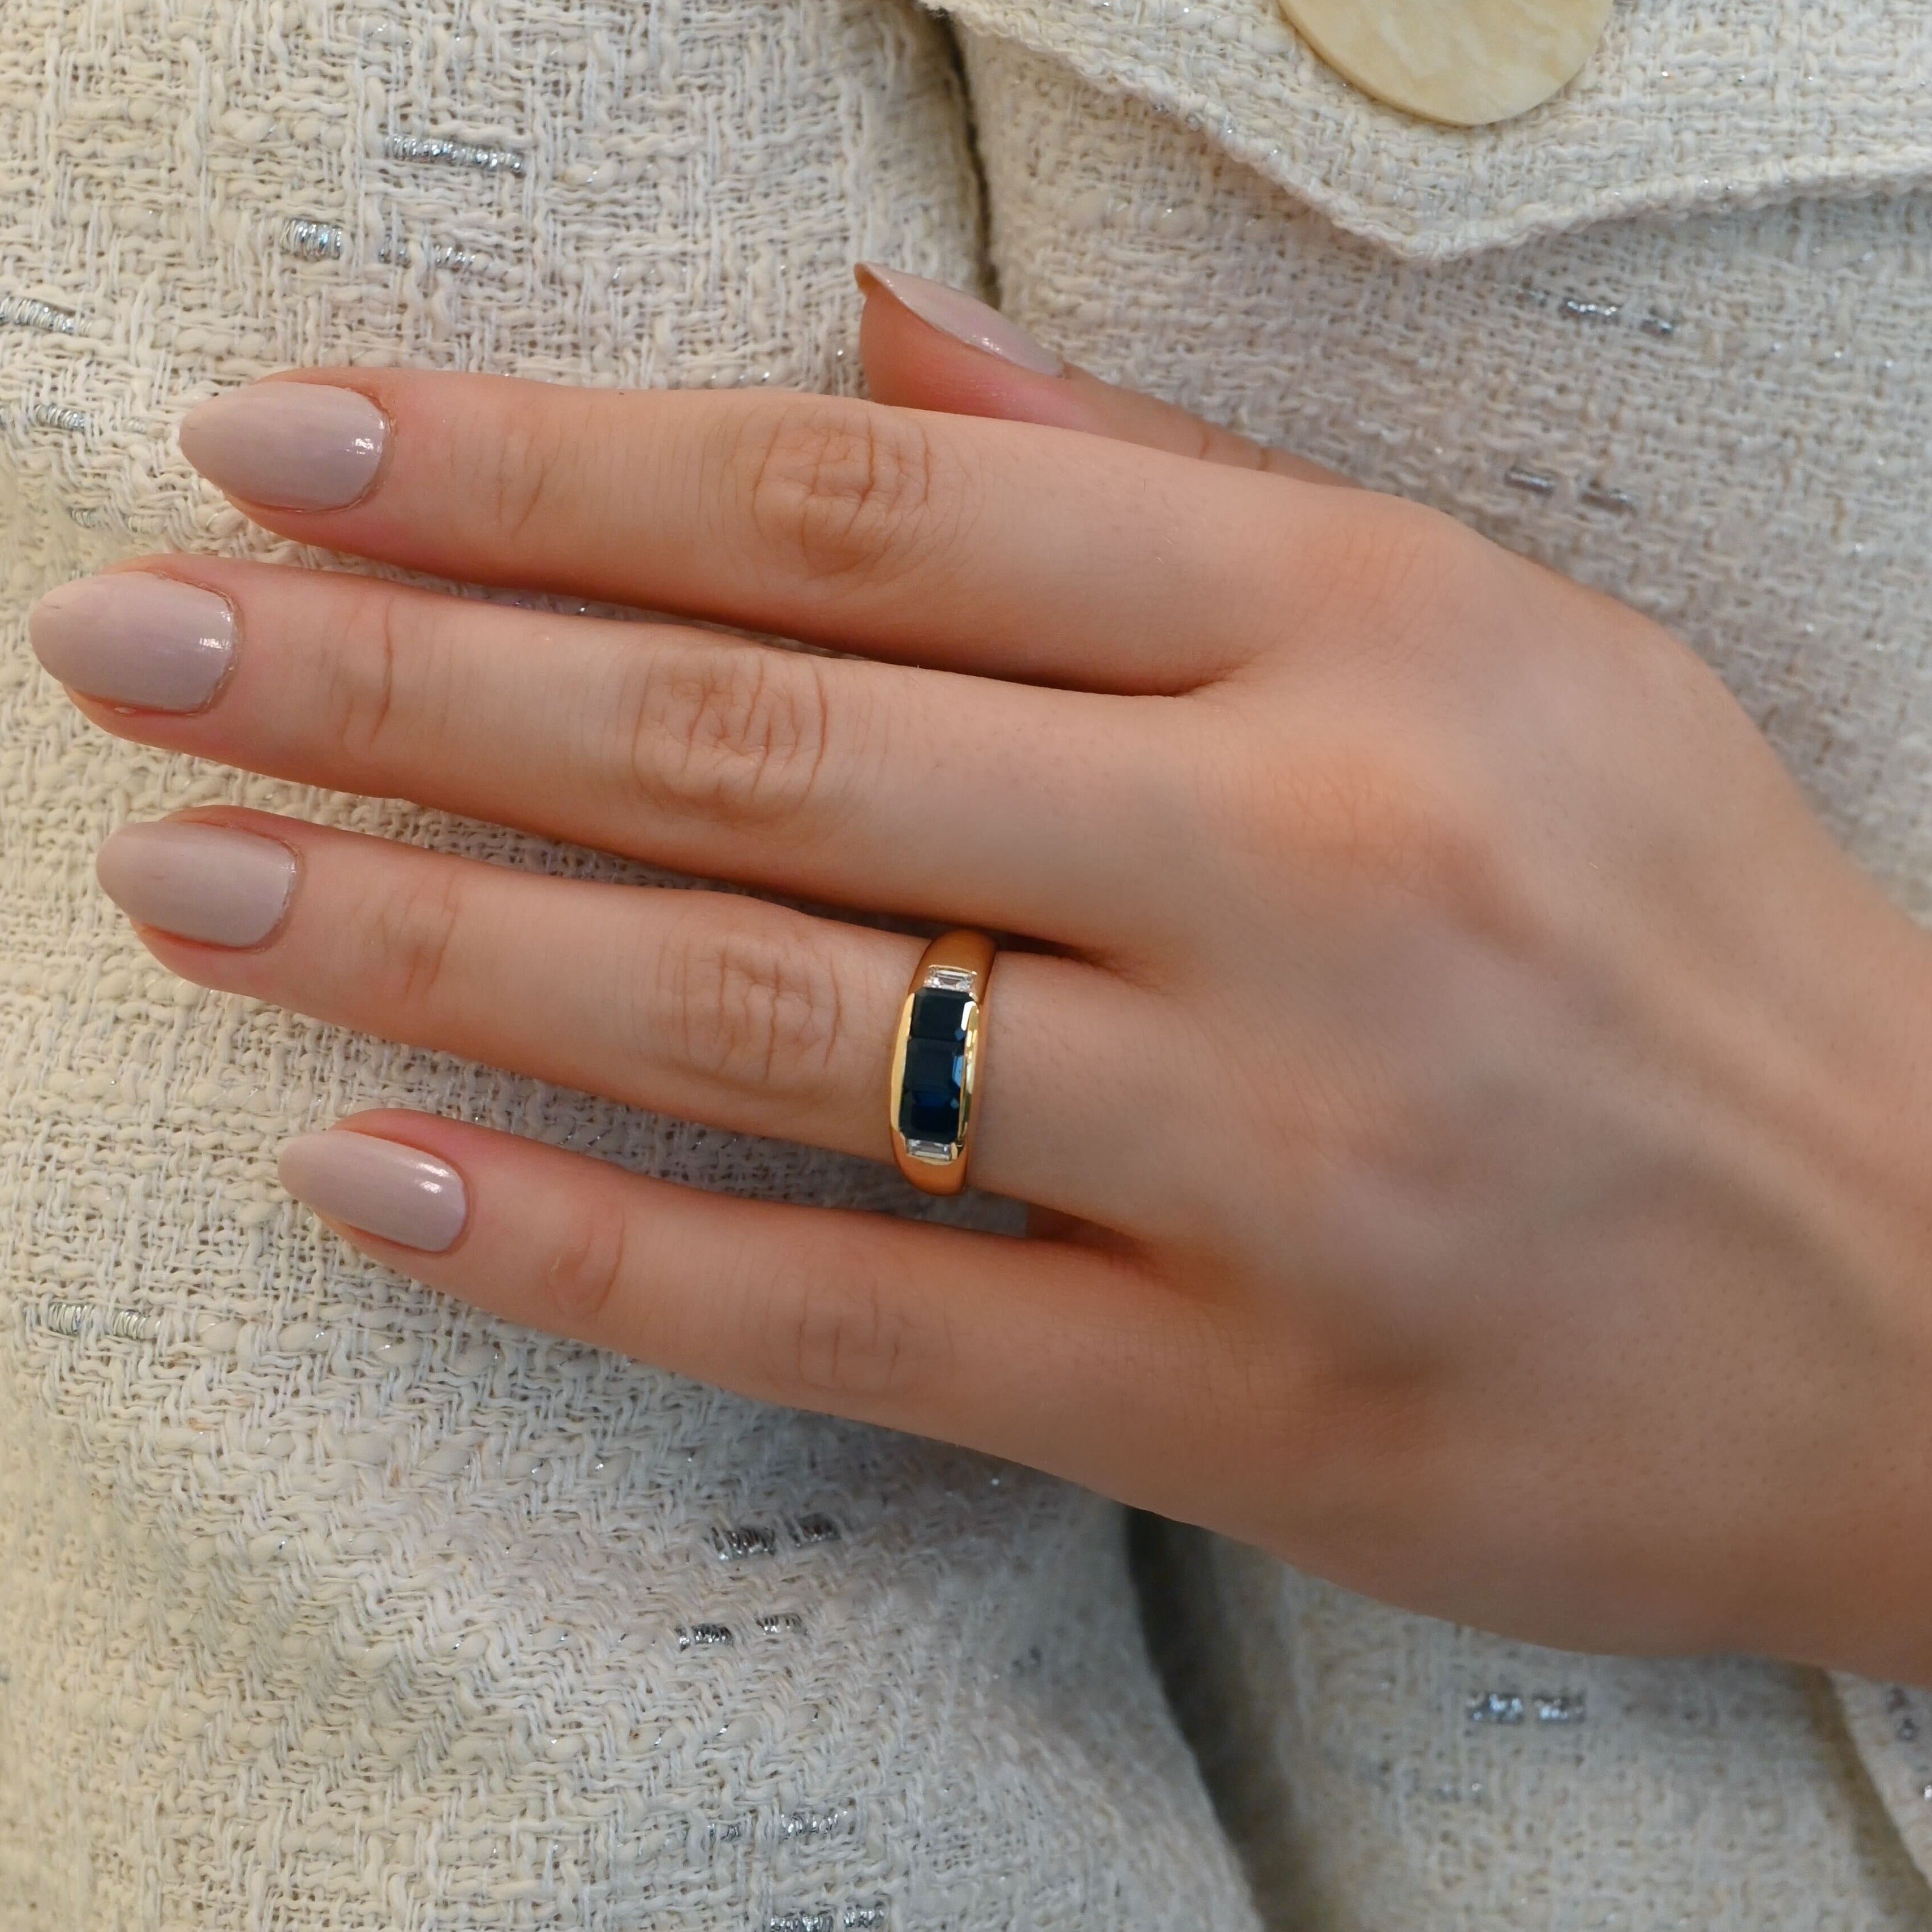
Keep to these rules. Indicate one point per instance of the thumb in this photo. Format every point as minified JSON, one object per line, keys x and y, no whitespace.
{"x":927,"y":346}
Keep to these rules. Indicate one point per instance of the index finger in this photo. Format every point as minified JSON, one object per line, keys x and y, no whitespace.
{"x":1008,"y":549}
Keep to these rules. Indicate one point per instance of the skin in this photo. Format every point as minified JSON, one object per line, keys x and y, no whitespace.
{"x":1477,"y":1119}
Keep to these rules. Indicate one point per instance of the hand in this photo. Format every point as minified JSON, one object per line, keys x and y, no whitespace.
{"x":1477,"y":1121}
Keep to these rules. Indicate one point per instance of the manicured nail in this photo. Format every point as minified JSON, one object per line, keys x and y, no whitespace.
{"x":383,"y":1188}
{"x":963,"y":318}
{"x":293,"y":445}
{"x":198,"y":881}
{"x":136,"y":639}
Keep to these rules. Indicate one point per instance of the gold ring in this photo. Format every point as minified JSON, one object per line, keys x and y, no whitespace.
{"x":942,"y":1040}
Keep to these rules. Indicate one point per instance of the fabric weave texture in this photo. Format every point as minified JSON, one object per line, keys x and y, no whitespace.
{"x":1724,"y":419}
{"x":326,"y":1603}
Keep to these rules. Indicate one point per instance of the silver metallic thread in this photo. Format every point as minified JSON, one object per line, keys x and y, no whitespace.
{"x":78,"y":1317}
{"x":1588,"y":308}
{"x":310,"y":241}
{"x":733,"y":1543}
{"x":1532,"y":482}
{"x":1512,"y":1708}
{"x":1495,"y":1707}
{"x":23,"y":312}
{"x":59,"y":415}
{"x":453,"y":154}
{"x":816,"y":1824}
{"x":398,"y":253}
{"x":1601,"y":496}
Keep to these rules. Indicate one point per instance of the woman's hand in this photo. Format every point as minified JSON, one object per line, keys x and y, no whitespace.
{"x":1478,"y":1121}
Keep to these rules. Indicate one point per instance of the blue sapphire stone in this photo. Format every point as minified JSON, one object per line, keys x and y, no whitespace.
{"x":933,"y":1090}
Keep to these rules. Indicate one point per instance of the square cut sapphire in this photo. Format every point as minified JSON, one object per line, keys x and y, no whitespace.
{"x":933,"y":1090}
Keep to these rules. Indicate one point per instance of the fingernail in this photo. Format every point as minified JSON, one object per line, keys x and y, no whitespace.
{"x":293,"y":445}
{"x":198,"y":881}
{"x":963,"y":318}
{"x":136,"y":639}
{"x":398,"y":1192}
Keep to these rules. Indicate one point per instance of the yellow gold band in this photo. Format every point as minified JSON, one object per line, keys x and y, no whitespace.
{"x":936,"y":1060}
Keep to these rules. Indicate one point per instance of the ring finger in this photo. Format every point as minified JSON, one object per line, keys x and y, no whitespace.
{"x":707,"y":1006}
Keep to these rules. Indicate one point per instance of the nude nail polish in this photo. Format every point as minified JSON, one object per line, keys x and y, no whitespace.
{"x":964,"y":319}
{"x":398,"y":1193}
{"x":135,"y":639}
{"x":290,"y":445}
{"x":197,"y":880}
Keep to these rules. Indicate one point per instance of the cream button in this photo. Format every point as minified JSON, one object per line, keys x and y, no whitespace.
{"x":1465,"y":61}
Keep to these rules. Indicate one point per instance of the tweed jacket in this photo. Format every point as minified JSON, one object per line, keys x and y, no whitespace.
{"x":1668,"y":333}
{"x":325,"y":1603}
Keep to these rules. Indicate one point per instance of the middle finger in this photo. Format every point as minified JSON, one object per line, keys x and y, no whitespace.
{"x":929,"y":793}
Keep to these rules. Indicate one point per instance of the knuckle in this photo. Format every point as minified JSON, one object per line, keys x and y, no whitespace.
{"x":1408,"y":576}
{"x":847,"y":491}
{"x":734,"y":732}
{"x":583,"y":1273}
{"x":1365,"y":813}
{"x":520,"y":472}
{"x":1394,"y":802}
{"x":1390,"y":828}
{"x":755,"y":1005}
{"x":387,"y":682}
{"x":362,"y":688}
{"x":412,"y":927}
{"x":843,"y":1334}
{"x":1350,"y":818}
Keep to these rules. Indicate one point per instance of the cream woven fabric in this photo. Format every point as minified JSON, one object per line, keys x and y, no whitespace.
{"x":323,"y":1604}
{"x":1682,"y":107}
{"x":1727,"y":420}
